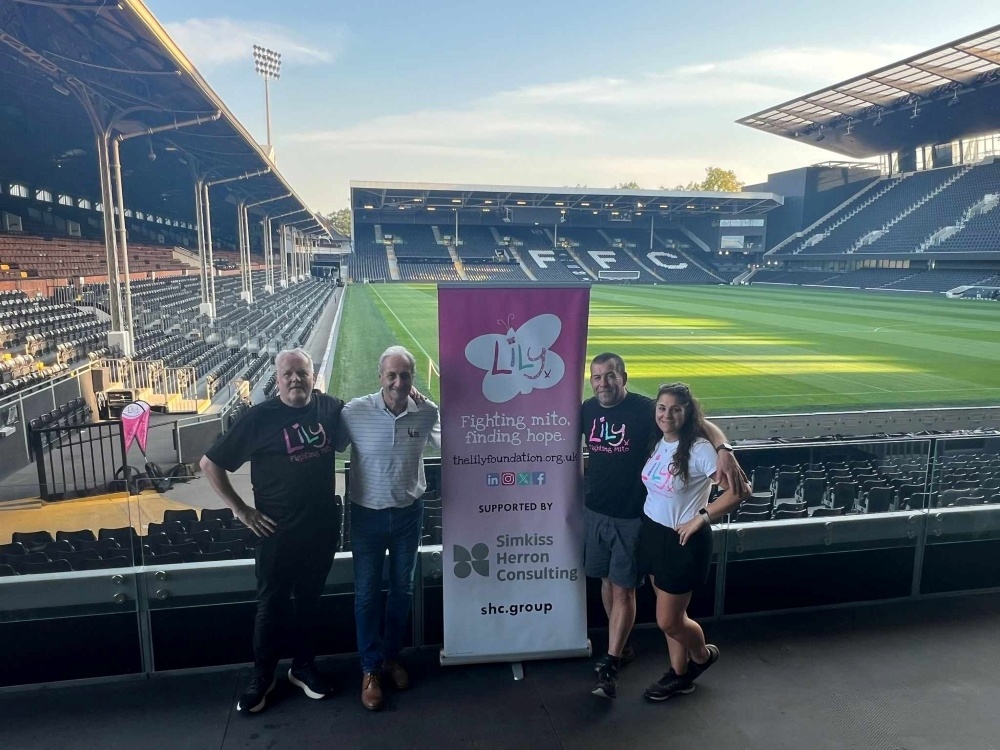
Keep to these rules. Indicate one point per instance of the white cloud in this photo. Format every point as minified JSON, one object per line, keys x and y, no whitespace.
{"x":827,"y":65}
{"x":660,"y":128}
{"x":761,"y":78}
{"x":220,"y":41}
{"x":472,"y":133}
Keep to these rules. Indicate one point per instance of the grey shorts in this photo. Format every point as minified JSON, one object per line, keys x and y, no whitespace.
{"x":611,"y":547}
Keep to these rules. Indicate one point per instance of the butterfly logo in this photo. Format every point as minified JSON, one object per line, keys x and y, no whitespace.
{"x":518,"y":361}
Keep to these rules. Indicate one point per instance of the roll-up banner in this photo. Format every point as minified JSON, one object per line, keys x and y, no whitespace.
{"x":511,"y":361}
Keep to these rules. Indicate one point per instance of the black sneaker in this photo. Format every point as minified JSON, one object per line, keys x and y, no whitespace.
{"x":607,"y":683}
{"x":669,"y":685}
{"x":695,"y":669}
{"x":254,"y":698}
{"x":627,"y":657}
{"x":312,"y":683}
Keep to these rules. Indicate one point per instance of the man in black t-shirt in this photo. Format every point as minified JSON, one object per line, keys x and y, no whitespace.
{"x":619,"y":429}
{"x":289,"y":444}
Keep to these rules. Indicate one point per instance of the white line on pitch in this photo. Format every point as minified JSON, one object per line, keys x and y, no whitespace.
{"x":415,"y":341}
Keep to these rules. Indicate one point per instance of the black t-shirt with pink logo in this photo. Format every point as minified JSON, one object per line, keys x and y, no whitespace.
{"x":291,"y":457}
{"x":618,"y":439}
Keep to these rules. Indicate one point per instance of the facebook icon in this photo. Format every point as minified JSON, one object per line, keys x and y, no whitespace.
{"x":538,"y":477}
{"x":492,"y":480}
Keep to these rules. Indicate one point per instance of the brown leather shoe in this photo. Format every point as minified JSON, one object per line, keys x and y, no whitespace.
{"x":371,"y":691}
{"x":397,"y":675}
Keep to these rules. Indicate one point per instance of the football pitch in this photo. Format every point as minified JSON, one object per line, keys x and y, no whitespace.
{"x":744,"y":350}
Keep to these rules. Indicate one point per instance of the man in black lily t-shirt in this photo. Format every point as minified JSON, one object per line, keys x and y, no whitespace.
{"x":289,"y":444}
{"x":618,"y":431}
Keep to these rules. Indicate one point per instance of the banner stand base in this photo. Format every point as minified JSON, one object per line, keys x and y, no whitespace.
{"x":514,"y":659}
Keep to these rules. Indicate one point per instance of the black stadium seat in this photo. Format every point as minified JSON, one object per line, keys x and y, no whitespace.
{"x":105,"y":563}
{"x":84,"y":535}
{"x":220,"y":514}
{"x":126,"y":536}
{"x":75,"y":559}
{"x":824,"y":511}
{"x":167,"y":527}
{"x":171,"y":558}
{"x":211,"y":525}
{"x":228,"y":535}
{"x":102,"y":546}
{"x":879,"y":499}
{"x":188,"y":514}
{"x":199,"y":557}
{"x":7,"y":570}
{"x":33,"y":541}
{"x":54,"y":566}
{"x":236,"y":547}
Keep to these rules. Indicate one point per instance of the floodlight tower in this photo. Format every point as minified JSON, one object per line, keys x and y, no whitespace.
{"x":267,"y":63}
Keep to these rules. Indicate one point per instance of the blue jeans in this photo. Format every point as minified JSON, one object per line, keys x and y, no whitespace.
{"x":373,"y":532}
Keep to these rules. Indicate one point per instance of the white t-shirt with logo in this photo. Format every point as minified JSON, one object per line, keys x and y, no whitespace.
{"x":669,"y":500}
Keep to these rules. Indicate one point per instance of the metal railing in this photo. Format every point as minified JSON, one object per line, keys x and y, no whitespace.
{"x":79,"y":460}
{"x":174,"y":388}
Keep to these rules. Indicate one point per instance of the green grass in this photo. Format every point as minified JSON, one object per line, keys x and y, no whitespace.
{"x":369,"y":327}
{"x":743,"y":350}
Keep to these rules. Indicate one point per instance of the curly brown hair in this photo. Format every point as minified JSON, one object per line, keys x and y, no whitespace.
{"x":693,"y":428}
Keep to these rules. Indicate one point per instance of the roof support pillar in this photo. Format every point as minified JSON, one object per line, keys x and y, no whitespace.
{"x":208,"y":306}
{"x":199,"y":214}
{"x":243,"y":238}
{"x":117,"y":335}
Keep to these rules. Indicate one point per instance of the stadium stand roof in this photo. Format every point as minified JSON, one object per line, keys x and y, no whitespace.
{"x":66,"y":64}
{"x":935,"y":97}
{"x":429,"y":195}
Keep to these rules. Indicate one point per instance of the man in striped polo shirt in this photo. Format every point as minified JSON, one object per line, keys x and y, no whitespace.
{"x":387,"y":431}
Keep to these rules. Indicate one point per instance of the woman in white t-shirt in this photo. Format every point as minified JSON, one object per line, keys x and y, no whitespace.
{"x":675,"y":544}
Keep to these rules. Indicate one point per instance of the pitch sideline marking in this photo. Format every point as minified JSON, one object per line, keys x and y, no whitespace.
{"x":408,"y":333}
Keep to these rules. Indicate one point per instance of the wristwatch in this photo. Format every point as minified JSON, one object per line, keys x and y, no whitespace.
{"x":723,"y":447}
{"x":708,"y":518}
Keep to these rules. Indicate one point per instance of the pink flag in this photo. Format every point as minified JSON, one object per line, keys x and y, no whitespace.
{"x":135,"y":424}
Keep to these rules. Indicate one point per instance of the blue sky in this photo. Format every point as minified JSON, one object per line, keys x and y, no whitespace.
{"x":545,"y":93}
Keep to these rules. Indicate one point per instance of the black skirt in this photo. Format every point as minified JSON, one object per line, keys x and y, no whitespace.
{"x":675,"y":569}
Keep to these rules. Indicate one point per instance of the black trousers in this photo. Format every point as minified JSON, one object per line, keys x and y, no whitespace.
{"x":290,"y":564}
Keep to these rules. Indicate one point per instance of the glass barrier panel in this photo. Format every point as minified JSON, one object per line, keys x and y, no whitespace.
{"x":826,"y":523}
{"x":199,"y":577}
{"x":963,"y":525}
{"x":69,"y":599}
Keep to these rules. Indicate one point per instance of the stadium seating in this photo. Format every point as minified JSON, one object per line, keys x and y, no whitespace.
{"x":942,"y":209}
{"x":27,"y":256}
{"x":476,"y":243}
{"x":980,"y":234}
{"x":368,"y":261}
{"x":414,"y":241}
{"x":546,"y":262}
{"x":494,"y":272}
{"x":428,"y":271}
{"x":937,"y":281}
{"x":778,"y":276}
{"x":789,"y":491}
{"x":597,"y":251}
{"x":891,"y":197}
{"x":869,"y":278}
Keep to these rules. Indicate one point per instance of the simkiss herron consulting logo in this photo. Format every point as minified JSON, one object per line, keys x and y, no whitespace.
{"x":466,"y":561}
{"x":518,"y":361}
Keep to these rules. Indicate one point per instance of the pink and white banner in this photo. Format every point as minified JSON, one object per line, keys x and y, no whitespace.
{"x":511,"y":361}
{"x":135,"y":424}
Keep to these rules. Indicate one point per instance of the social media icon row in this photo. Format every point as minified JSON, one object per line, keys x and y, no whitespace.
{"x":519,"y":479}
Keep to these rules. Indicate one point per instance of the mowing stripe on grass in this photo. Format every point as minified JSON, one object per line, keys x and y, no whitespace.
{"x":754,"y":350}
{"x":403,"y":325}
